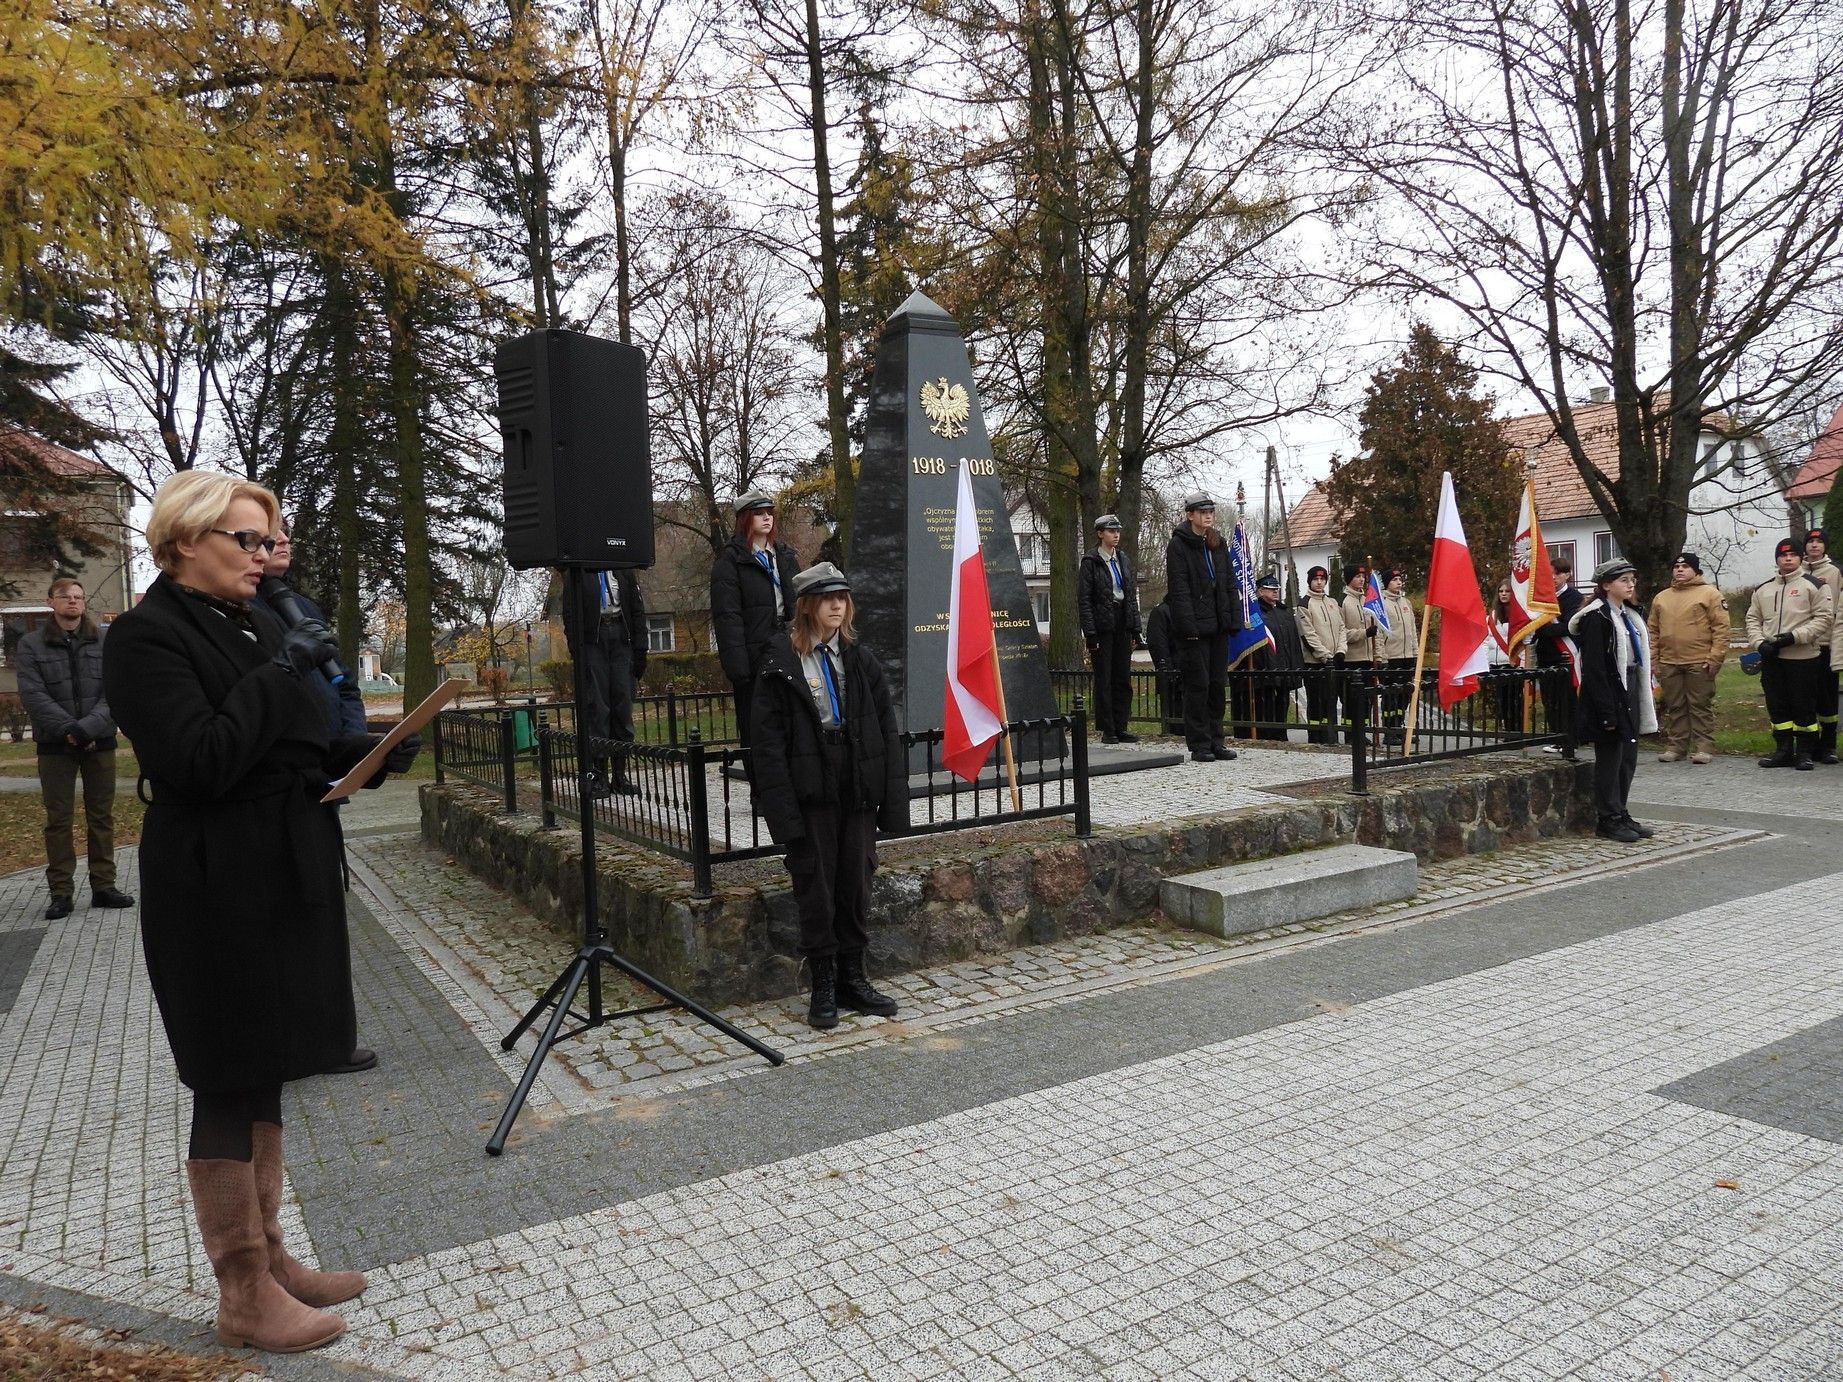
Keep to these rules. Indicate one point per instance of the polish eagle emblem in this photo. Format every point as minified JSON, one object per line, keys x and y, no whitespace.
{"x":947,"y":407}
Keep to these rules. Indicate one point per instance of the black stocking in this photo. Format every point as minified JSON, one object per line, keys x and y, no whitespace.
{"x":221,"y":1122}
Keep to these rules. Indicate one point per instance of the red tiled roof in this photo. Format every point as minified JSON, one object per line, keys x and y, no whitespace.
{"x":1560,"y":491}
{"x":50,"y":455}
{"x":1814,"y":477}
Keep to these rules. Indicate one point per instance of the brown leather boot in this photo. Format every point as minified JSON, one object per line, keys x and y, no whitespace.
{"x":303,"y":1283}
{"x":253,"y":1309}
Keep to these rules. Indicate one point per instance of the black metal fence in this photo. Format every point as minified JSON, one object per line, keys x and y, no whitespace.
{"x":678,"y":791}
{"x":690,"y":800}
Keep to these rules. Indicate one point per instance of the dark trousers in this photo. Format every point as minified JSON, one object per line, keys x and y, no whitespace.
{"x":1112,"y":655}
{"x":1320,"y":704}
{"x":1791,"y":687}
{"x":57,"y":782}
{"x":1242,"y":692}
{"x":221,"y":1121}
{"x":1827,"y":704}
{"x":1203,"y":668}
{"x":830,"y":866}
{"x":1170,"y":700}
{"x":1558,"y":699}
{"x":1355,"y":705}
{"x":1398,"y":675}
{"x":1615,"y":759}
{"x":610,"y":711}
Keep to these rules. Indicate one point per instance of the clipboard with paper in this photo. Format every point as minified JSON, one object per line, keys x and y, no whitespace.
{"x":411,"y":723}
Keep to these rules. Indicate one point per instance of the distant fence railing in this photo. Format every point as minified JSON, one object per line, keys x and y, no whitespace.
{"x":689,"y":800}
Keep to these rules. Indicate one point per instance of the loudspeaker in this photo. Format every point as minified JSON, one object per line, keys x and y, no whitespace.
{"x":578,"y":472}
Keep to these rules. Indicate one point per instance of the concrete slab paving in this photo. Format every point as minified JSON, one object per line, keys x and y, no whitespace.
{"x":1519,"y":1125}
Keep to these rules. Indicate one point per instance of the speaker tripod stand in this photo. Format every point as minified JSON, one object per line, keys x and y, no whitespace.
{"x":594,"y":953}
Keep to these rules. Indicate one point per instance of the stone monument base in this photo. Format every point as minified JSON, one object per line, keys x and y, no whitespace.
{"x":947,"y":897}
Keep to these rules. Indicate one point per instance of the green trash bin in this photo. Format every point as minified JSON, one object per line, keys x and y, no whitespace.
{"x":524,"y":730}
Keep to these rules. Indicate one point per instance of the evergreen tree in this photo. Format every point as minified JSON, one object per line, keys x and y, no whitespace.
{"x":1421,"y":417}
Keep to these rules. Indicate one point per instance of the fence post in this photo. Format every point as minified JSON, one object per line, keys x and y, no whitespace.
{"x":1078,"y":729}
{"x":547,"y":799}
{"x":1358,"y":719}
{"x":672,"y":716}
{"x":508,"y":757}
{"x":700,"y":815}
{"x":436,"y":743}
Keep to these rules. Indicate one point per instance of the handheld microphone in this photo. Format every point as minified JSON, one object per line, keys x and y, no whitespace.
{"x":286,"y":602}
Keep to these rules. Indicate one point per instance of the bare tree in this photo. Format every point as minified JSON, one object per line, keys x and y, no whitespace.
{"x":1643,"y":193}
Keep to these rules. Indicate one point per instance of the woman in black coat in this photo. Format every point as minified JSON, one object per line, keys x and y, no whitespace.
{"x":828,"y":773}
{"x":751,"y":598}
{"x":1615,"y":705}
{"x":242,"y":902}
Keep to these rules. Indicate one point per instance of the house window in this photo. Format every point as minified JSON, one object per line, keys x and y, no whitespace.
{"x":1039,"y":608}
{"x":1604,"y":548}
{"x":1561,"y":551}
{"x":659,"y":633}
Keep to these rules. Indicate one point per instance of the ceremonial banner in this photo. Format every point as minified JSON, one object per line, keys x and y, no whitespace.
{"x":972,"y":702}
{"x":1372,"y":600}
{"x":1254,"y":634}
{"x":1532,"y":580}
{"x":1452,"y":588}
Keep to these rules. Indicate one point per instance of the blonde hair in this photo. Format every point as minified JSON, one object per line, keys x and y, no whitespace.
{"x":193,"y":502}
{"x":63,"y":583}
{"x":805,"y":634}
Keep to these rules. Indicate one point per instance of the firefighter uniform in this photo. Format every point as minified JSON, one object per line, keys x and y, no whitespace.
{"x":1789,"y":621}
{"x":1321,"y":627}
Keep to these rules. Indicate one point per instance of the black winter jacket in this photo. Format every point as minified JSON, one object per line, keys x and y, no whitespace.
{"x":1158,"y":637}
{"x":1288,"y":649}
{"x":582,"y":610}
{"x":1604,"y":708}
{"x":1201,"y":607}
{"x":788,"y":759}
{"x":60,"y":684}
{"x":242,"y":899}
{"x":1100,"y":612}
{"x":744,"y":615}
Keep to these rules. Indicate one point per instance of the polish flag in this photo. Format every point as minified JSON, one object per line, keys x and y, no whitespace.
{"x":1452,"y":588}
{"x":972,"y":722}
{"x":1532,"y":579}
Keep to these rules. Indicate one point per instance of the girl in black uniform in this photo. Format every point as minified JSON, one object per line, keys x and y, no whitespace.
{"x":828,"y":774}
{"x":751,"y":598}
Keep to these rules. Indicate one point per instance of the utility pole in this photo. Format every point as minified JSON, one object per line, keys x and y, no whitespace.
{"x":1286,"y":527}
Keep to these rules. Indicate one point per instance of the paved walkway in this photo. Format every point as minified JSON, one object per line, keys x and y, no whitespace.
{"x":1574,"y":1111}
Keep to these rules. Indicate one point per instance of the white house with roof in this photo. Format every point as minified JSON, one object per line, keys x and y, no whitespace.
{"x":1738,"y":509}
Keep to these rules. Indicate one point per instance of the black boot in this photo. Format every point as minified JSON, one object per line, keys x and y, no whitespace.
{"x":855,"y":991}
{"x":822,"y":1012}
{"x":1782,"y":756}
{"x":1827,"y":742}
{"x":1638,"y":828}
{"x":1807,"y":743}
{"x":1615,"y":828}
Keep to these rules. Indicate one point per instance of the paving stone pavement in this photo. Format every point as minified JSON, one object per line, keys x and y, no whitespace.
{"x":1568,"y":1113}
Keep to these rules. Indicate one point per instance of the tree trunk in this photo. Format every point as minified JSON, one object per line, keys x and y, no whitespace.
{"x":344,"y":440}
{"x":1138,"y":324}
{"x":844,"y":473}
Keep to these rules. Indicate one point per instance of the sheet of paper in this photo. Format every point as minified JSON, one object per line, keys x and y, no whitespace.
{"x":368,"y":765}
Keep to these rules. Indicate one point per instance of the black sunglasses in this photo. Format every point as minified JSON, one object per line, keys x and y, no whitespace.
{"x":247,"y":538}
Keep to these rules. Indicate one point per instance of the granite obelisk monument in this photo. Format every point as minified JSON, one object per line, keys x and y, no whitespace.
{"x":924,"y":423}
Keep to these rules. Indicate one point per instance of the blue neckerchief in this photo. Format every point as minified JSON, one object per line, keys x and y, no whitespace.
{"x":1208,"y":564}
{"x":768,"y":566}
{"x":1113,"y":565}
{"x":825,"y":668}
{"x":1631,"y":633}
{"x":607,"y":599}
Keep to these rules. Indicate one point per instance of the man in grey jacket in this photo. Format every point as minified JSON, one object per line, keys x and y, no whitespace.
{"x":60,"y":683}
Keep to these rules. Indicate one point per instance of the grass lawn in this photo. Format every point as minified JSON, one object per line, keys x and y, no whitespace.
{"x":1740,"y":712}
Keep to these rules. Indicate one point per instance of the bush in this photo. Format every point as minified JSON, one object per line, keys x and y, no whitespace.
{"x":683,"y":672}
{"x":13,"y":716}
{"x":495,"y":680}
{"x":560,"y":676}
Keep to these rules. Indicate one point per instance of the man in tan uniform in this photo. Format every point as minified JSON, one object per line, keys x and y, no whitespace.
{"x":1820,"y":568}
{"x":1360,"y":632}
{"x":1788,"y":620}
{"x":1321,"y":626}
{"x":1689,"y":639}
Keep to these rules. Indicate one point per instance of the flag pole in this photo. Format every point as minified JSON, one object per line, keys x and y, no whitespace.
{"x":1414,"y":700}
{"x":1004,"y":721}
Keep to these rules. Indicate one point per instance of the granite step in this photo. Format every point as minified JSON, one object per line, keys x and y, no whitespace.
{"x":1287,"y":888}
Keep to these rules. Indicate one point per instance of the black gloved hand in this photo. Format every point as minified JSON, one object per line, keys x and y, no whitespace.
{"x":306,"y":646}
{"x":1769,"y":647}
{"x":1337,"y":659}
{"x":1784,"y":640}
{"x":399,"y":759}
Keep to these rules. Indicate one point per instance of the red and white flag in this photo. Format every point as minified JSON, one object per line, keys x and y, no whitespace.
{"x":972,"y":721}
{"x":1532,"y":579}
{"x":1452,"y":588}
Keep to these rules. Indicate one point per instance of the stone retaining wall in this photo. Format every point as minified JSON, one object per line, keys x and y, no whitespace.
{"x":742,"y":943}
